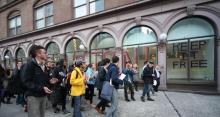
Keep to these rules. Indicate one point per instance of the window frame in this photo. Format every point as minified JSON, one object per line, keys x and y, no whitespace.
{"x":45,"y":18}
{"x":87,"y":4}
{"x":16,"y":26}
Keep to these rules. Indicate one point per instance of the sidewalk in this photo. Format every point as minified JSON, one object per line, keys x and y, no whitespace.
{"x":166,"y":104}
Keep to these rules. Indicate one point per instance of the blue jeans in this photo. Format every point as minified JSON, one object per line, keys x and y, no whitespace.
{"x":147,"y":88}
{"x":113,"y":110}
{"x":77,"y":103}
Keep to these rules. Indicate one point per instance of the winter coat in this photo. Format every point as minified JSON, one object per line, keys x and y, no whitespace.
{"x":34,"y":79}
{"x":113,"y":74}
{"x":77,"y":83}
{"x":147,"y":75}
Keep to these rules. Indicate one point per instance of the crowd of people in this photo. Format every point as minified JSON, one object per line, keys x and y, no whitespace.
{"x":40,"y":80}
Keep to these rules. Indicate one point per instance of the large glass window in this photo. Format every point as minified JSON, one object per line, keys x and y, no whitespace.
{"x":44,"y":16}
{"x":14,"y":25}
{"x":53,"y":51}
{"x":102,"y":46}
{"x":75,"y":50}
{"x":139,"y":45}
{"x":8,"y":59}
{"x":85,"y":7}
{"x":190,"y":50}
{"x":20,"y":55}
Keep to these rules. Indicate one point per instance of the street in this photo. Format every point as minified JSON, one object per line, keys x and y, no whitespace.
{"x":166,"y":104}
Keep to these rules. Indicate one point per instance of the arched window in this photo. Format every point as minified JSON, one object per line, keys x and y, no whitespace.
{"x":102,"y":46}
{"x":190,"y":50}
{"x":14,"y":23}
{"x":53,"y":51}
{"x":75,"y":50}
{"x":8,"y":59}
{"x":139,"y":45}
{"x":20,"y":55}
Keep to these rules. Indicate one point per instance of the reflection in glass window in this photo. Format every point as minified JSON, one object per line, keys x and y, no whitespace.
{"x":139,"y":35}
{"x":190,"y":50}
{"x":102,"y":47}
{"x":79,"y":2}
{"x":44,"y":16}
{"x":20,"y":55}
{"x":190,"y":27}
{"x":53,"y":51}
{"x":8,"y":59}
{"x":73,"y":51}
{"x":15,"y":25}
{"x":139,"y":45}
{"x":96,"y":6}
{"x":103,"y":40}
{"x":80,"y":11}
{"x":85,"y":7}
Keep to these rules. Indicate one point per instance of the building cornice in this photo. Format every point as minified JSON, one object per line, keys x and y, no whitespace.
{"x":10,"y":4}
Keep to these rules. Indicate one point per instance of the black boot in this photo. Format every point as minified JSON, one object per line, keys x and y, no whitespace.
{"x":132,"y":98}
{"x":142,"y":99}
{"x":127,"y":100}
{"x":150,"y":99}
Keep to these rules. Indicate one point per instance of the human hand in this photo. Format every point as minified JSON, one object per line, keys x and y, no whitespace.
{"x":47,"y":90}
{"x":153,"y":75}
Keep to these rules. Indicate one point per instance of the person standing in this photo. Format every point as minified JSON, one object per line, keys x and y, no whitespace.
{"x":102,"y":74}
{"x":113,"y":75}
{"x":36,"y":82}
{"x":77,"y":82}
{"x":2,"y":76}
{"x":90,"y":77}
{"x":157,"y":78}
{"x":135,"y":76}
{"x":148,"y":76}
{"x":60,"y":89}
{"x":18,"y":87}
{"x":128,"y":81}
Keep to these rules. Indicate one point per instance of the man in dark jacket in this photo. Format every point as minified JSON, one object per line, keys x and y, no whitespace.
{"x":128,"y":81}
{"x":113,"y":75}
{"x":36,"y":82}
{"x":148,"y":76}
{"x":18,"y":87}
{"x":60,"y":89}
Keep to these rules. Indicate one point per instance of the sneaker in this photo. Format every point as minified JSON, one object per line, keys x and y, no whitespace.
{"x":133,"y":99}
{"x":150,"y":99}
{"x":142,"y":99}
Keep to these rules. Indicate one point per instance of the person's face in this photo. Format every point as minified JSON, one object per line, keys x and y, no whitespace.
{"x":19,"y":64}
{"x":93,"y":66}
{"x":83,"y":67}
{"x":42,"y":54}
{"x":49,"y":64}
{"x":151,"y":65}
{"x":64,"y":63}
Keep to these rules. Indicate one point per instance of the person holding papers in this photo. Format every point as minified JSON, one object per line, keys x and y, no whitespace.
{"x":128,"y":81}
{"x":113,"y":75}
